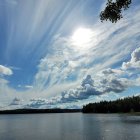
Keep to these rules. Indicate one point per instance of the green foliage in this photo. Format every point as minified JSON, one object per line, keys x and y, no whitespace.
{"x":113,"y":10}
{"x":121,"y":105}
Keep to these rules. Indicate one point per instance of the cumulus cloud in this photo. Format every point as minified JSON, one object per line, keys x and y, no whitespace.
{"x":5,"y":70}
{"x":16,"y":101}
{"x":65,"y":64}
{"x":111,"y":80}
{"x":84,"y":91}
{"x":134,"y":61}
{"x":36,"y":103}
{"x":115,"y":85}
{"x":110,"y":71}
{"x":87,"y":81}
{"x":105,"y":81}
{"x":107,"y":84}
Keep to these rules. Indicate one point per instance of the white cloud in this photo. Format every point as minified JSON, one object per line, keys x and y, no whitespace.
{"x":136,"y":82}
{"x":16,"y":101}
{"x":87,"y":81}
{"x":134,"y":61}
{"x":3,"y":81}
{"x":5,"y":70}
{"x":61,"y":71}
{"x":28,"y":86}
{"x":107,"y":84}
{"x":68,"y":64}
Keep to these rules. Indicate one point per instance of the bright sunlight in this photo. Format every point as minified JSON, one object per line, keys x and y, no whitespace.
{"x":81,"y":36}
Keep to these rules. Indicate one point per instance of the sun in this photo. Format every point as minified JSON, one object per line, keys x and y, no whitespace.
{"x":81,"y":36}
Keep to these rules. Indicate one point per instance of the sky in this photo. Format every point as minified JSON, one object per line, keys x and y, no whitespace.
{"x":58,"y":54}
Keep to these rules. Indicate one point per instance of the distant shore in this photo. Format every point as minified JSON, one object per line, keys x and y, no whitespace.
{"x":43,"y":111}
{"x":35,"y":111}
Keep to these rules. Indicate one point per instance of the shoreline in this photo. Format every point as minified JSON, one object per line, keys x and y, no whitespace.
{"x":48,"y":111}
{"x":37,"y":111}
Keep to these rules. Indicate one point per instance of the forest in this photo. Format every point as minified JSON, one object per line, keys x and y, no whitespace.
{"x":129,"y":104}
{"x":35,"y":111}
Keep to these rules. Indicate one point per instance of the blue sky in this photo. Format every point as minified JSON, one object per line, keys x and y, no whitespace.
{"x":57,"y":53}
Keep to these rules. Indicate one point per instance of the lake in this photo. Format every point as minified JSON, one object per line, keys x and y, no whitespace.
{"x":69,"y":126}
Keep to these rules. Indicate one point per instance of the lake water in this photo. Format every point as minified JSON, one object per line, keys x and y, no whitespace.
{"x":69,"y":126}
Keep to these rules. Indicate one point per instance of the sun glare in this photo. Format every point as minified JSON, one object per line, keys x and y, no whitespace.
{"x":81,"y":36}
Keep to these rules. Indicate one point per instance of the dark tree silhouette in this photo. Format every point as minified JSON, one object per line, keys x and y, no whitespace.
{"x":113,"y":10}
{"x":129,"y":104}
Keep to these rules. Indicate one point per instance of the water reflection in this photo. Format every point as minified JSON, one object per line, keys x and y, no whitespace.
{"x":73,"y":126}
{"x":91,"y":127}
{"x":130,"y":119}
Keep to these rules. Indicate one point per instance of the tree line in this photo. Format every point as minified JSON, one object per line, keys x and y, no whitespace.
{"x":129,"y":104}
{"x":35,"y":111}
